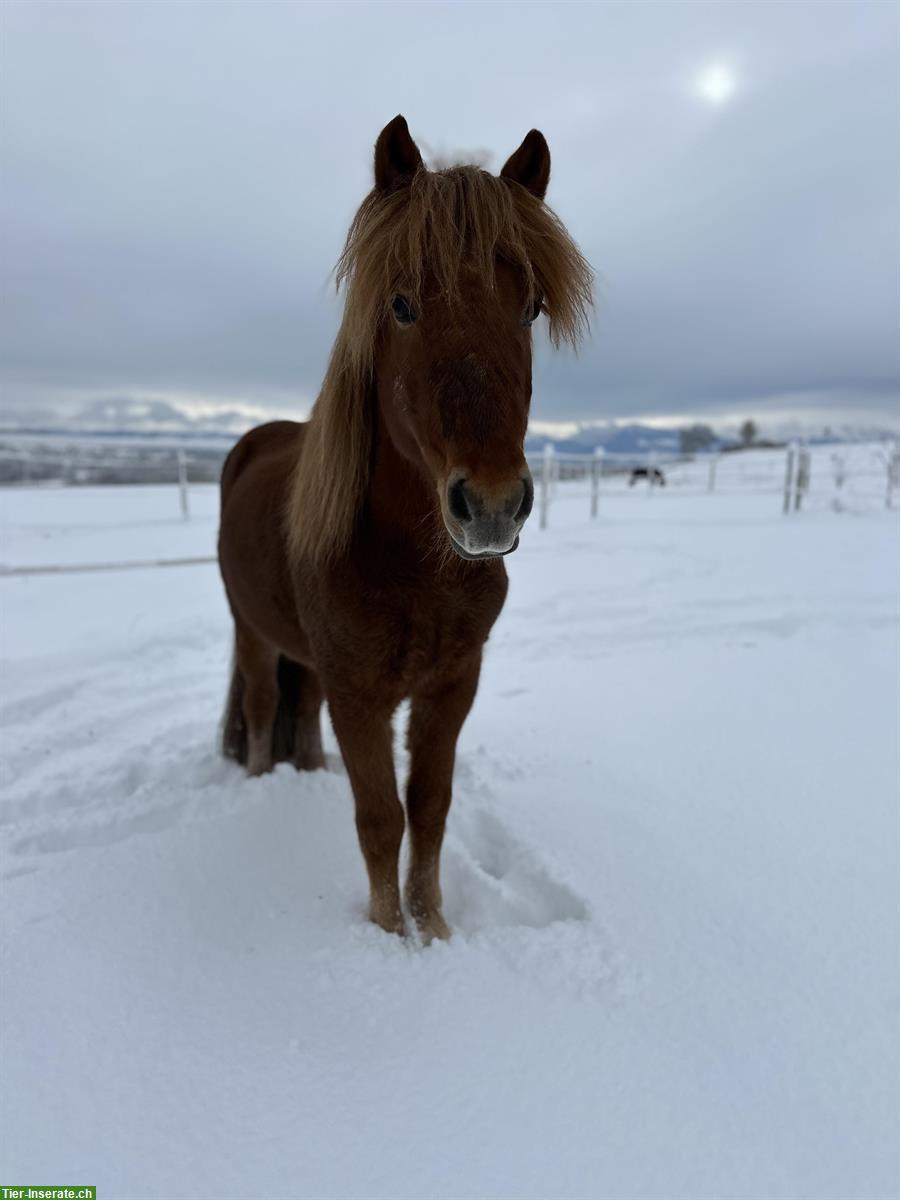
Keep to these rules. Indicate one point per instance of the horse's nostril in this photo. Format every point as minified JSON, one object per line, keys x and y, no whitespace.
{"x":527,"y":500}
{"x":457,"y":503}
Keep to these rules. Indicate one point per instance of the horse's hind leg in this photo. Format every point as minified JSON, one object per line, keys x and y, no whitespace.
{"x":257,"y":661}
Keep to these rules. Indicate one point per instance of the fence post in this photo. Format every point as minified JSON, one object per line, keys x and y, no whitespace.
{"x":713,"y":463}
{"x":596,"y":475}
{"x":893,"y":473}
{"x":546,"y":475}
{"x":183,"y":484}
{"x":839,"y":472}
{"x":802,"y":476}
{"x":788,"y":477}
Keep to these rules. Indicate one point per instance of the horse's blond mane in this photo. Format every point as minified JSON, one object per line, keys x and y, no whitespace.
{"x":442,"y":221}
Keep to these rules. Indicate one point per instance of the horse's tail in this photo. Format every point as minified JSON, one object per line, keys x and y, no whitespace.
{"x":284,"y":728}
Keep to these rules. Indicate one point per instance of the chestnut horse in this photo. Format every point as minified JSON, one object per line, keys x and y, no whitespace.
{"x":362,"y":551}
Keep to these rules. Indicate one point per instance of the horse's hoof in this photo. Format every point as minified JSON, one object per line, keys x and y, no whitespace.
{"x":390,"y":922}
{"x":310,"y":762}
{"x":433,"y":928}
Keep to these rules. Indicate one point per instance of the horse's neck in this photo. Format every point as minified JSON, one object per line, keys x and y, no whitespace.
{"x":401,"y":503}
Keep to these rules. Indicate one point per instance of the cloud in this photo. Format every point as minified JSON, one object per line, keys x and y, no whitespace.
{"x":178,"y":181}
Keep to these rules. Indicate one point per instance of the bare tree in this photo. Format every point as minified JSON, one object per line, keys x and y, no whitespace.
{"x":748,"y":433}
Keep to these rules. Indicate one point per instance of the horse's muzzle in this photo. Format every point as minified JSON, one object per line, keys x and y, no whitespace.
{"x":485,"y":522}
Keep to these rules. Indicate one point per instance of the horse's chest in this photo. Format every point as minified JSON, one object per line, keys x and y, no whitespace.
{"x":430,"y":643}
{"x":393,"y":641}
{"x":424,"y":641}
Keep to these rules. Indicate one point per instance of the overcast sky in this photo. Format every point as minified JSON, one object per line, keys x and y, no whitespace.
{"x":177,"y":180}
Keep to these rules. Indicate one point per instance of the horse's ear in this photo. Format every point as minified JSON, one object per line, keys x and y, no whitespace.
{"x":397,"y":156}
{"x":530,"y":164}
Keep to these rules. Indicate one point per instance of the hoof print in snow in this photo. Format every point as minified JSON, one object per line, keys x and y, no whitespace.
{"x":491,"y":879}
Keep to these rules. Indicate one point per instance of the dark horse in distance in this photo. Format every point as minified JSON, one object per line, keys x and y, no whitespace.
{"x":654,"y":474}
{"x":362,"y":551}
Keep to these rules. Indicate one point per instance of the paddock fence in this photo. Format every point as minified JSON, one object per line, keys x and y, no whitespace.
{"x":842,"y":478}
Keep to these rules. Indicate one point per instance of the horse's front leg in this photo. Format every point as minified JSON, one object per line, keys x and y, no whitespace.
{"x":435,"y":720}
{"x":366,"y":745}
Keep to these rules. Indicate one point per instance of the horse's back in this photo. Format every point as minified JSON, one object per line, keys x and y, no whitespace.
{"x":255,"y":483}
{"x":264,"y":444}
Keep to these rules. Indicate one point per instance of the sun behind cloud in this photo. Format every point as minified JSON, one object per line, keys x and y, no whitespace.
{"x":716,"y":83}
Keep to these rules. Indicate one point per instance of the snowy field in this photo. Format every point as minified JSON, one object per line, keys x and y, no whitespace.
{"x":672,"y":868}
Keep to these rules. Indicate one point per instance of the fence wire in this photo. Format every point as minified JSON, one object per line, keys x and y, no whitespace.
{"x":841,"y":478}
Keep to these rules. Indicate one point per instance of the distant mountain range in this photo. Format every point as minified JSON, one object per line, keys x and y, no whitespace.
{"x":125,"y":416}
{"x":636,"y":440}
{"x":119,"y":415}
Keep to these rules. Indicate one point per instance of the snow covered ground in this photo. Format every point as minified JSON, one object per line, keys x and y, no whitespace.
{"x":673,"y":870}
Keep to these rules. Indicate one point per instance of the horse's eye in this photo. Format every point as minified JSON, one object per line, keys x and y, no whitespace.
{"x":533,"y":311}
{"x":403,"y":310}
